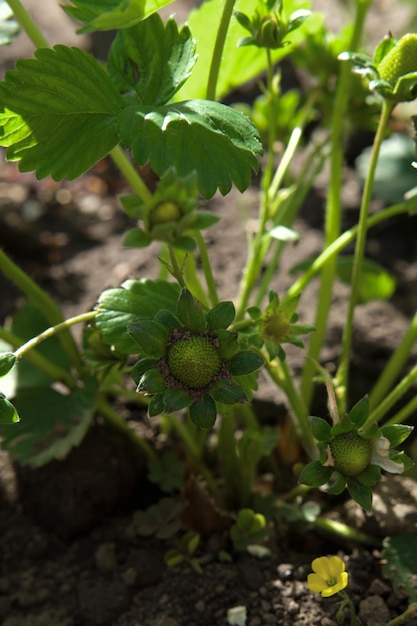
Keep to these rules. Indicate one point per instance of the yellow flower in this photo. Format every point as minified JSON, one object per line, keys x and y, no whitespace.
{"x":329,"y":576}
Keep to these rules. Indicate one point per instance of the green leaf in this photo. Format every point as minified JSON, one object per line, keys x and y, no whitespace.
{"x":8,"y":414}
{"x":245,"y":362}
{"x":360,"y":412}
{"x":362,"y":494}
{"x":175,"y":400}
{"x":141,"y":366}
{"x":151,"y":59}
{"x":59,"y":113}
{"x":375,"y":282}
{"x":28,"y":322}
{"x":399,"y":559}
{"x":8,"y":27}
{"x":239,"y":65}
{"x":7,"y":361}
{"x":125,"y":305}
{"x":315,"y":474}
{"x":320,"y":428}
{"x":396,"y":433}
{"x":151,"y":383}
{"x":213,"y":139}
{"x":370,"y":476}
{"x":221,"y":316}
{"x":156,"y":405}
{"x":151,"y":338}
{"x":203,"y":412}
{"x":135,"y":238}
{"x":228,"y":392}
{"x":228,"y":343}
{"x":190,"y":313}
{"x":112,"y":14}
{"x":51,"y":424}
{"x":204,"y":219}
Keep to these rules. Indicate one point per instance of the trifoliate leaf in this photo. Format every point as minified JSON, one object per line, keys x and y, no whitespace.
{"x":216,"y":141}
{"x":151,"y":59}
{"x":133,"y":301}
{"x":58,"y":113}
{"x":151,"y":338}
{"x":110,"y":14}
{"x":51,"y":423}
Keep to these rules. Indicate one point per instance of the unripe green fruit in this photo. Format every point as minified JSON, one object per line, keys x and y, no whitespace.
{"x":400,"y":60}
{"x":194,"y":362}
{"x":165,"y":212}
{"x":276,"y":327}
{"x":351,"y":453}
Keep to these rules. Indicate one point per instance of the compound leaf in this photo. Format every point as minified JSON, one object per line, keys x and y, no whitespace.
{"x":135,"y":300}
{"x":151,"y":59}
{"x":111,"y":14}
{"x":51,"y":424}
{"x":216,"y":141}
{"x":58,"y":113}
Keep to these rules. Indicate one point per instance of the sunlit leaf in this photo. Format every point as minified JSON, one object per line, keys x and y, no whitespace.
{"x":151,"y":60}
{"x":213,"y":139}
{"x":110,"y":14}
{"x":135,"y":300}
{"x":58,"y":113}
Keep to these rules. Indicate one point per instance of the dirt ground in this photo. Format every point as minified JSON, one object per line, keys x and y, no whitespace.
{"x":71,"y":556}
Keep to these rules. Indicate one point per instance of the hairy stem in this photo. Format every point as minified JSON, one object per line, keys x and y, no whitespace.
{"x":333,"y":210}
{"x":218,"y":49}
{"x":342,"y":375}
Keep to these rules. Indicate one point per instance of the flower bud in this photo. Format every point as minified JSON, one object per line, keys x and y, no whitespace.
{"x":400,"y":60}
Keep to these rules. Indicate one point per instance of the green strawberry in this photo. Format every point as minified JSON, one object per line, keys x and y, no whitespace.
{"x":194,"y":361}
{"x":400,"y":60}
{"x":351,"y":453}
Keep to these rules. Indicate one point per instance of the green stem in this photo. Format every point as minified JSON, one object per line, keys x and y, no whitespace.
{"x":53,"y":330}
{"x":333,"y":210}
{"x":399,"y":418}
{"x":345,"y":239}
{"x":205,"y":261}
{"x":193,"y":450}
{"x":342,"y":375}
{"x":119,"y":424}
{"x":218,"y":49}
{"x":287,"y":216}
{"x":394,"y":365}
{"x":176,"y":270}
{"x":348,"y":602}
{"x":395,"y":395}
{"x":346,"y":532}
{"x":43,"y":301}
{"x":409,"y":614}
{"x":38,"y":360}
{"x":282,"y":377}
{"x":130,"y":174}
{"x":28,"y":24}
{"x":235,"y":492}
